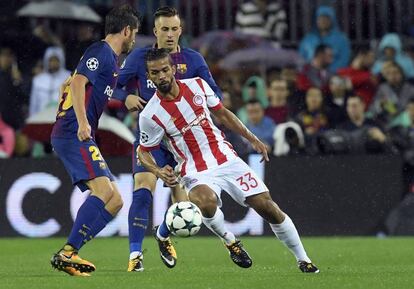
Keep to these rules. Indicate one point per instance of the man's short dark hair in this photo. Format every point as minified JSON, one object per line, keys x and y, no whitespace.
{"x":321,"y":49}
{"x":155,"y":54}
{"x":119,"y":18}
{"x":254,"y":101}
{"x":165,"y":11}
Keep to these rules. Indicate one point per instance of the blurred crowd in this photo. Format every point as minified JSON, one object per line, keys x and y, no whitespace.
{"x":325,"y":96}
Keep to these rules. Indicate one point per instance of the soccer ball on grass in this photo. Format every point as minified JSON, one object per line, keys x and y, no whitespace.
{"x":183,"y":219}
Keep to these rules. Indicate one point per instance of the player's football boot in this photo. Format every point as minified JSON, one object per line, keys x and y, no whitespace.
{"x":239,"y":255}
{"x":73,"y":272}
{"x":64,"y":259}
{"x":167,"y":251}
{"x":136,"y":264}
{"x":306,"y":267}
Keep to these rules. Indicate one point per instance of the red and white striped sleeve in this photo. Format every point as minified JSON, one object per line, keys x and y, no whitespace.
{"x":213,"y":101}
{"x":150,"y":134}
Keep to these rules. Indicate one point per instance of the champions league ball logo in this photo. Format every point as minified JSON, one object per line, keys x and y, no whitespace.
{"x":144,"y":137}
{"x":92,"y":63}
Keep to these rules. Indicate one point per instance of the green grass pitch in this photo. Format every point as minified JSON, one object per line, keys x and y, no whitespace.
{"x":203,"y":263}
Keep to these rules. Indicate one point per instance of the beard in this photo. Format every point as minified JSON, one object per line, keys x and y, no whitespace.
{"x":165,"y":87}
{"x":127,"y":45}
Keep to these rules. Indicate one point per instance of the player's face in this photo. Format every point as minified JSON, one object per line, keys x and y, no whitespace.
{"x":168,"y":31}
{"x":129,"y":41}
{"x":161,"y":73}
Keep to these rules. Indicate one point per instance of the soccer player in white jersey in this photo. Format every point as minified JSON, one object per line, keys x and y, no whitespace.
{"x":179,"y":112}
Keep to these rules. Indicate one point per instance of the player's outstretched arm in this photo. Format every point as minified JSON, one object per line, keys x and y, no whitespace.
{"x":166,"y":173}
{"x":231,"y":121}
{"x":77,"y":87}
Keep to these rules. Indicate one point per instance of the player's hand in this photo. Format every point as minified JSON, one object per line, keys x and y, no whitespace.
{"x":261,"y":149}
{"x":167,"y":175}
{"x":84,"y":132}
{"x":134,"y":102}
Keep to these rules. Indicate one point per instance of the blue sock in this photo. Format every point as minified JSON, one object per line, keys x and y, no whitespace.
{"x":163,"y":229}
{"x":101,"y":222}
{"x":85,"y":219}
{"x":138,"y":218}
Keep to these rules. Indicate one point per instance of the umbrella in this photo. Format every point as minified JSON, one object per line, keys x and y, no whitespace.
{"x":261,"y":57}
{"x":59,"y":9}
{"x":113,"y":137}
{"x":219,"y":43}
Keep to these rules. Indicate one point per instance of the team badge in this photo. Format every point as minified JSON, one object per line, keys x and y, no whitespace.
{"x":92,"y":63}
{"x":198,"y":100}
{"x":181,"y":68}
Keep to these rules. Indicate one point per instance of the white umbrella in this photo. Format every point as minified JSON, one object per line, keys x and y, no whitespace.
{"x":61,"y":10}
{"x":114,"y":136}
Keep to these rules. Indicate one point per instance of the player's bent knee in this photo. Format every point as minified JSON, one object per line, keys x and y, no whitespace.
{"x":205,"y":199}
{"x":145,"y":180}
{"x":102,"y":188}
{"x":115,"y":203}
{"x":266,"y":208}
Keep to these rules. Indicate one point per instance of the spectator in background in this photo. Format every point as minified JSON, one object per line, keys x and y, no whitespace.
{"x":390,"y":49}
{"x":12,"y":100}
{"x":7,"y":140}
{"x":403,"y":138}
{"x":366,"y":134}
{"x":325,"y":30}
{"x":359,"y":72}
{"x":264,"y":18}
{"x":340,"y":89}
{"x":278,"y":109}
{"x":259,"y":124}
{"x":75,"y":48}
{"x":253,"y":88}
{"x":392,"y":96}
{"x":35,"y":43}
{"x":46,"y":85}
{"x":313,"y":119}
{"x":289,"y":139}
{"x":316,"y":73}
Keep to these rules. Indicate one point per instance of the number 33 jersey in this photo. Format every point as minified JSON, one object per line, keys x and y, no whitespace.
{"x":186,"y":126}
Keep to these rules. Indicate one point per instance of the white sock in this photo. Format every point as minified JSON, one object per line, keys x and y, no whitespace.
{"x":216,"y":225}
{"x":287,"y":233}
{"x":134,"y":254}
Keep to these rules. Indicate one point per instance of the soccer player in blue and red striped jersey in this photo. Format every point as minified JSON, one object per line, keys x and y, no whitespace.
{"x":82,"y":102}
{"x":189,"y":63}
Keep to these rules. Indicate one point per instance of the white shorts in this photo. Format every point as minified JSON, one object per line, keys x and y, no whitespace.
{"x":235,"y":177}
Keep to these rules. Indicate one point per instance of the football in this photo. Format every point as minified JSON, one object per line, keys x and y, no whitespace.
{"x":183,"y":219}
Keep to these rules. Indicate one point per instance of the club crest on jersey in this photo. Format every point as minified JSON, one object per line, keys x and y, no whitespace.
{"x":181,"y":68}
{"x":198,"y":100}
{"x":92,"y":64}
